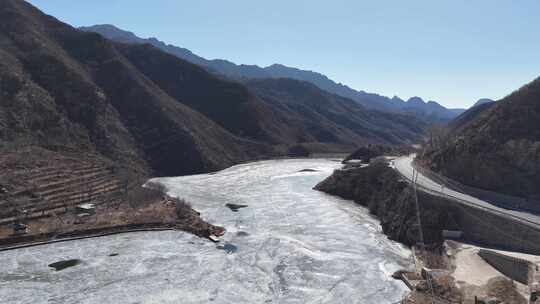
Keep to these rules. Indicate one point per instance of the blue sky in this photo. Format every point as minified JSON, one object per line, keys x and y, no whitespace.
{"x":451,"y":51}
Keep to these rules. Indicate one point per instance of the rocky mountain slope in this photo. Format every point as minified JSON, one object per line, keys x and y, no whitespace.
{"x":68,"y":90}
{"x":494,"y":146}
{"x":326,"y":117}
{"x":482,"y":101}
{"x":429,"y":111}
{"x":64,"y":89}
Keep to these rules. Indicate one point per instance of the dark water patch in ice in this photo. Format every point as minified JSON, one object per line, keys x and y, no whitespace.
{"x":228,"y":247}
{"x":235,"y":207}
{"x":60,"y":265}
{"x":308,"y":170}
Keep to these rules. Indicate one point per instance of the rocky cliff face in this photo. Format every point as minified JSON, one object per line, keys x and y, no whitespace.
{"x":380,"y":189}
{"x":494,"y":146}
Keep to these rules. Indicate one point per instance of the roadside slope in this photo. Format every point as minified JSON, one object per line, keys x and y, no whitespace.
{"x":494,"y":146}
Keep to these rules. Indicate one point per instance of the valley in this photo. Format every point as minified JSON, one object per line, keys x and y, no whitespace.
{"x":137,"y":171}
{"x":289,"y":243}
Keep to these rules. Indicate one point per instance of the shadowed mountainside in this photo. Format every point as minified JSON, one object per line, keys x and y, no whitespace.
{"x":494,"y":146}
{"x":68,"y":90}
{"x":64,"y":89}
{"x":332,"y":118}
{"x":430,"y":111}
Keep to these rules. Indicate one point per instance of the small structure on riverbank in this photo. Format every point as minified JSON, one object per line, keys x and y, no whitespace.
{"x":86,"y":208}
{"x":214,"y":238}
{"x":19,"y":228}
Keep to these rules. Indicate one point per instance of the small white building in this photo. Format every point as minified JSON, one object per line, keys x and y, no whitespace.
{"x":85,"y":208}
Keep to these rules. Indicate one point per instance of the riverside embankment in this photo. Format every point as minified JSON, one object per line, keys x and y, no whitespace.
{"x":390,"y":197}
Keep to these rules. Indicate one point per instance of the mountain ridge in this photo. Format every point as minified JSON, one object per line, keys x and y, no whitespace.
{"x":495,"y":145}
{"x":309,"y":101}
{"x":370,"y":100}
{"x":64,"y":89}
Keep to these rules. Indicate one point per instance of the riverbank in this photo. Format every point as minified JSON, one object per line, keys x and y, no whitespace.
{"x":438,"y":275}
{"x":46,"y":196}
{"x":156,"y":212}
{"x":390,"y":199}
{"x":42,"y":191}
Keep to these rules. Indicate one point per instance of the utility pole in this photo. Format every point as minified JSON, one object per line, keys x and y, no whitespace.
{"x":421,"y":233}
{"x":414,"y":181}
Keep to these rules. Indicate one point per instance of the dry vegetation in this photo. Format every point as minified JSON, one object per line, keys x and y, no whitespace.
{"x":493,"y":146}
{"x":442,"y":290}
{"x":48,"y":192}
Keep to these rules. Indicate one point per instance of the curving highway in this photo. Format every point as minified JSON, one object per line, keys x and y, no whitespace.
{"x":404,"y":166}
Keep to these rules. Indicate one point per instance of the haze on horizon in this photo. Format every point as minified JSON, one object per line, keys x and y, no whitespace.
{"x":454,"y":52}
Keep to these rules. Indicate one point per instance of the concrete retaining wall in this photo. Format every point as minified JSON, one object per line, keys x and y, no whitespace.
{"x":516,"y":269}
{"x":23,"y":241}
{"x":484,"y":227}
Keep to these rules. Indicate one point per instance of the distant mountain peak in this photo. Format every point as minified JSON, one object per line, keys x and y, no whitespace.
{"x":105,"y":26}
{"x":413,"y":101}
{"x":110,"y":29}
{"x":277,"y":65}
{"x":482,"y":101}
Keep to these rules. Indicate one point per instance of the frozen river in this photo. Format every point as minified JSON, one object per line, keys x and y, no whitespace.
{"x":291,"y":244}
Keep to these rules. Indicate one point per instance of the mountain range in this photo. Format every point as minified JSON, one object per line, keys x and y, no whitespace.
{"x":344,"y":120}
{"x":64,"y":89}
{"x":430,"y":111}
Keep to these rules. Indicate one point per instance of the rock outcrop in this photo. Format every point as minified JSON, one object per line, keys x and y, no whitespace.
{"x":380,"y":189}
{"x":366,"y":153}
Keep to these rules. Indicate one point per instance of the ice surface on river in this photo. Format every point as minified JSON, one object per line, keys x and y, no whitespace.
{"x":291,"y":245}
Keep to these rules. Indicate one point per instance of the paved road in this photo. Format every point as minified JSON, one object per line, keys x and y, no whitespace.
{"x":404,"y":166}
